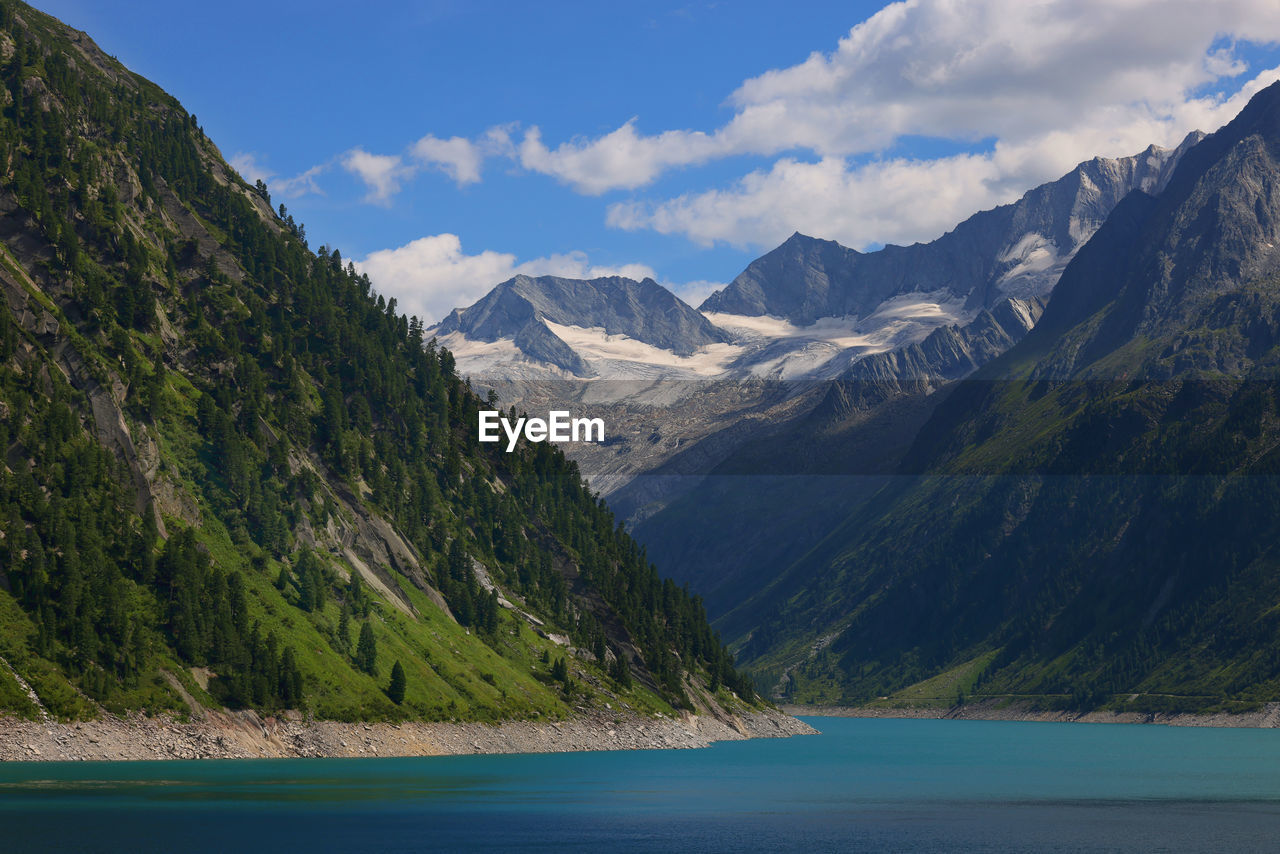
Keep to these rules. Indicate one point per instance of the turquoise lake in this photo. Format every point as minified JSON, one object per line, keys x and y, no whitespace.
{"x":873,"y":785}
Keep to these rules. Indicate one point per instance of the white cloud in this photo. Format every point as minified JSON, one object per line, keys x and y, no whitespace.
{"x":1006,"y":68}
{"x":1224,"y":63}
{"x":576,"y":265}
{"x":460,"y":158}
{"x":246,"y":163}
{"x":381,"y":173}
{"x":894,"y":201}
{"x":621,"y":159}
{"x":1038,"y":85}
{"x":457,"y":157}
{"x":431,"y":276}
{"x":1051,"y":82}
{"x":695,"y":292}
{"x":901,"y":200}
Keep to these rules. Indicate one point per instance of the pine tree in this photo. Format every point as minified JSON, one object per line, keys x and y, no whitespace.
{"x":395,"y":690}
{"x":367,"y":650}
{"x":620,"y":671}
{"x":344,"y":629}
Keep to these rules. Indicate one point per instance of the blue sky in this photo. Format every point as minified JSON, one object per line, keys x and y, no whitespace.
{"x":446,"y":145}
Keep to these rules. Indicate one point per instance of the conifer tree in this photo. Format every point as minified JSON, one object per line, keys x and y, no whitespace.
{"x":620,"y":671}
{"x":395,"y":690}
{"x":367,"y":650}
{"x":344,"y":629}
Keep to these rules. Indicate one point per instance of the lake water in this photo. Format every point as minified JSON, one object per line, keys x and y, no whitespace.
{"x":874,"y":785}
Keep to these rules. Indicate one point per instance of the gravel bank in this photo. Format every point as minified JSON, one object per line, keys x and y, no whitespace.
{"x":1268,"y":716}
{"x":245,"y":735}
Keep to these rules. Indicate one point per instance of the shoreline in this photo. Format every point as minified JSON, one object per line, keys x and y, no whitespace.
{"x":1266,"y":717}
{"x":246,"y":735}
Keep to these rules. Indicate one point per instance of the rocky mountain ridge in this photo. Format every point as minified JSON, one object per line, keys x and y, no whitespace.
{"x":809,"y":310}
{"x":1015,"y":250}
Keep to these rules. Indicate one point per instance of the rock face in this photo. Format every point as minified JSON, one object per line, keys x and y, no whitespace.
{"x":1016,"y":250}
{"x":948,"y":353}
{"x":1215,"y":227}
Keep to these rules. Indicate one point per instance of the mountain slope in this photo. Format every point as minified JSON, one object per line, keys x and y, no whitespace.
{"x":234,"y":475}
{"x":767,"y":501}
{"x":1090,"y":518}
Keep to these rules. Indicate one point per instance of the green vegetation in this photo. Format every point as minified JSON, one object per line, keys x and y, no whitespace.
{"x":225,"y":454}
{"x":395,"y":689}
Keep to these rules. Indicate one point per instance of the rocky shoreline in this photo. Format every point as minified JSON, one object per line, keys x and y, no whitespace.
{"x":245,"y":735}
{"x":1268,"y":716}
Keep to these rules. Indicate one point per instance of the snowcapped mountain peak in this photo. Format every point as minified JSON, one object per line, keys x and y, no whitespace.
{"x":811,"y":308}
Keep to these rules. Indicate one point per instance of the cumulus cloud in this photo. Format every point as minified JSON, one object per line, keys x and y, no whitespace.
{"x":462,"y":159}
{"x":457,"y":157}
{"x":622,"y":159}
{"x":301,"y":184}
{"x":431,"y":276}
{"x":1031,"y":87}
{"x":381,"y":173}
{"x":1004,"y":68}
{"x":575,"y":265}
{"x":901,"y":200}
{"x":1052,"y":83}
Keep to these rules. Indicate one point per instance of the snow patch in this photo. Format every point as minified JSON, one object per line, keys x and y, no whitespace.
{"x":786,"y":351}
{"x":480,"y":358}
{"x":771,"y":347}
{"x":1022,"y":310}
{"x":1034,"y":260}
{"x":615,"y":356}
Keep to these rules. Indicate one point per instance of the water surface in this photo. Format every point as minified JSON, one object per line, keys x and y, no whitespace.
{"x":874,"y":785}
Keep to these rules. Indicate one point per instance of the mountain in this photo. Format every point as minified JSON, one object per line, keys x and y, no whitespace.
{"x":521,"y":309}
{"x":1090,"y":518}
{"x":1015,"y":250}
{"x":770,"y":494}
{"x":730,"y":460}
{"x":774,"y":494}
{"x":232,"y":475}
{"x":807,"y":310}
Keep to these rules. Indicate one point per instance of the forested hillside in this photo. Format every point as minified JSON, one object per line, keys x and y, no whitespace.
{"x":236,"y":474}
